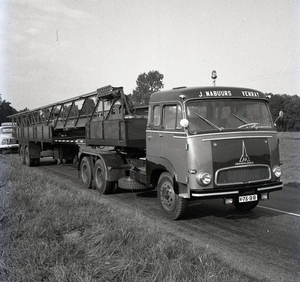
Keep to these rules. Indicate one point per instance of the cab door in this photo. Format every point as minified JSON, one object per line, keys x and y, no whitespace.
{"x":153,"y":133}
{"x":166,"y":143}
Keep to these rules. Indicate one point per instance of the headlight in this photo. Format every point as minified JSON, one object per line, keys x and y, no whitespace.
{"x":204,"y":178}
{"x":4,"y":141}
{"x":277,"y":171}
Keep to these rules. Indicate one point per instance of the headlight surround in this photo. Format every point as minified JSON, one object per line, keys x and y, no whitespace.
{"x":4,"y":142}
{"x":277,"y":171}
{"x":204,"y":179}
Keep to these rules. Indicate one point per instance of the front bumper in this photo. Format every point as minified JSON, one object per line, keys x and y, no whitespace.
{"x":237,"y":190}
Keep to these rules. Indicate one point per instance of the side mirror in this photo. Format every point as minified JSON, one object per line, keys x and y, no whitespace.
{"x":280,"y":115}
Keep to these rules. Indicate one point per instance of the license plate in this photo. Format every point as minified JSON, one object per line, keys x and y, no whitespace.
{"x":248,"y":198}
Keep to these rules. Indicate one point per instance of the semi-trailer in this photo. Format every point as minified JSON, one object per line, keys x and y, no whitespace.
{"x":188,"y":143}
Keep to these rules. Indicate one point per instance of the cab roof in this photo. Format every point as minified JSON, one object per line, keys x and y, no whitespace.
{"x":211,"y":92}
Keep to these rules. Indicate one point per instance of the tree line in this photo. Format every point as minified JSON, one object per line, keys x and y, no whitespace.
{"x":148,"y":83}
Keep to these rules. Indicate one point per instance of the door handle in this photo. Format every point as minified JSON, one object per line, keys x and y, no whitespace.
{"x":161,"y":135}
{"x":149,"y":138}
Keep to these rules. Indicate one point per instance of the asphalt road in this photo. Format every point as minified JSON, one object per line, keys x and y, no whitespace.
{"x":263,"y":243}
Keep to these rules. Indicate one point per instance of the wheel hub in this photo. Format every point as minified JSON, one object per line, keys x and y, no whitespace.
{"x":168,"y":196}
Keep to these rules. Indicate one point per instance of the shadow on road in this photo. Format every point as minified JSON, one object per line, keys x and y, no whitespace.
{"x":216,"y":208}
{"x":147,"y":194}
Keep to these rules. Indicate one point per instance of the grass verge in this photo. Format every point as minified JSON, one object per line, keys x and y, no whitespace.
{"x":51,"y":231}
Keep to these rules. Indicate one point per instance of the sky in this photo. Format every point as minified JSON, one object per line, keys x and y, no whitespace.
{"x":59,"y":49}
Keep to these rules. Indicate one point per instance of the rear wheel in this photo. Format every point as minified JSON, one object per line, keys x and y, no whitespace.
{"x":21,"y":154}
{"x":173,"y":205}
{"x":100,"y":178}
{"x":36,"y":162}
{"x":29,"y":161}
{"x":86,"y":172}
{"x":245,"y":206}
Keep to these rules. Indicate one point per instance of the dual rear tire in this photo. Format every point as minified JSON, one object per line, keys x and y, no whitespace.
{"x":95,"y":176}
{"x":100,"y":178}
{"x":25,"y":158}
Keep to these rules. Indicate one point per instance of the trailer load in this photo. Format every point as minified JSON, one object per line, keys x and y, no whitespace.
{"x":189,"y":143}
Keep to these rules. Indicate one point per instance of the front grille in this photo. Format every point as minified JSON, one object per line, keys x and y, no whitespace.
{"x":243,"y":174}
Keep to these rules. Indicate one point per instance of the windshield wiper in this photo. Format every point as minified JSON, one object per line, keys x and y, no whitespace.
{"x":250,"y":125}
{"x":246,"y":123}
{"x":208,"y":122}
{"x":240,"y":119}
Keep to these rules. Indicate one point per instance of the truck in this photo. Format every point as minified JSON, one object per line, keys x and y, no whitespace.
{"x":188,"y":143}
{"x":7,"y":141}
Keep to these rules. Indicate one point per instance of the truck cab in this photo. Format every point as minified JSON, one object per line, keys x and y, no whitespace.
{"x":211,"y":142}
{"x":7,"y":141}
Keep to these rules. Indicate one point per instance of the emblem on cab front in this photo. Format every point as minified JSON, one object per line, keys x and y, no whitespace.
{"x":244,"y":159}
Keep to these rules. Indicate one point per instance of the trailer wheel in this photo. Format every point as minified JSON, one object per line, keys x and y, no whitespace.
{"x":22,"y":155}
{"x":100,"y":175}
{"x":245,"y":206}
{"x":29,"y":161}
{"x":173,"y":205}
{"x":86,"y":172}
{"x":36,"y":162}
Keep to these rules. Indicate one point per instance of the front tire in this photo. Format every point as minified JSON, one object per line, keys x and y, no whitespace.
{"x":173,"y":206}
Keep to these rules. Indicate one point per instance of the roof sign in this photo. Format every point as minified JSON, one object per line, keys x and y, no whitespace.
{"x":229,"y":93}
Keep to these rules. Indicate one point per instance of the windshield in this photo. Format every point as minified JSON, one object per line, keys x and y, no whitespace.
{"x":228,"y":115}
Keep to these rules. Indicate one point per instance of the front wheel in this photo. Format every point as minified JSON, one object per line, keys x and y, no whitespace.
{"x":173,"y":205}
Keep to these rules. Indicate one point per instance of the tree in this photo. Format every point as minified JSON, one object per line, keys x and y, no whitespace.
{"x":88,"y":107}
{"x":6,"y":110}
{"x":146,"y":85}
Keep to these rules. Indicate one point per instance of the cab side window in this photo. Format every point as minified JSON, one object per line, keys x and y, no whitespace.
{"x":171,"y":117}
{"x":156,"y":116}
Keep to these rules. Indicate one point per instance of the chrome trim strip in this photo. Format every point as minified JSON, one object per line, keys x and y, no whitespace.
{"x":269,"y":188}
{"x":235,"y":137}
{"x":215,"y":194}
{"x":216,"y":134}
{"x":166,"y":132}
{"x":240,"y":167}
{"x":231,"y":133}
